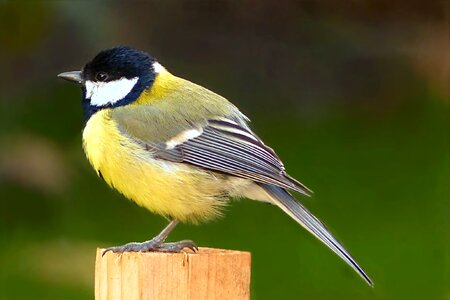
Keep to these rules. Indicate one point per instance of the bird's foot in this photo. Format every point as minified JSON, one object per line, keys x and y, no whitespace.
{"x":153,"y":245}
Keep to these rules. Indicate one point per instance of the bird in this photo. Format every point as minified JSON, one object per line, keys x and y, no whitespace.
{"x":179,"y":149}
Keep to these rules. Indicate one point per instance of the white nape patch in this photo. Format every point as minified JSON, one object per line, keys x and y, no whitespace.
{"x":183,"y":137}
{"x":103,"y":93}
{"x":158,"y":68}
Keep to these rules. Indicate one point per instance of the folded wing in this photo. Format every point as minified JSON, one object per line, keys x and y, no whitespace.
{"x":226,"y":146}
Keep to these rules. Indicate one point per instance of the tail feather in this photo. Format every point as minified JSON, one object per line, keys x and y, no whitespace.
{"x":299,"y":213}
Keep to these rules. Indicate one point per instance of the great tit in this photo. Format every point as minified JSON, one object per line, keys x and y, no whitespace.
{"x":179,"y":149}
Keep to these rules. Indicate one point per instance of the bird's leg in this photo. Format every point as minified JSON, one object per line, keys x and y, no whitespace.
{"x":156,"y":244}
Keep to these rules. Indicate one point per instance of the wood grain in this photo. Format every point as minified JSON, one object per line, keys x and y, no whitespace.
{"x":207,"y":274}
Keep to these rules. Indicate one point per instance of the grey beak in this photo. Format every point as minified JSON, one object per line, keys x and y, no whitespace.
{"x":74,"y":76}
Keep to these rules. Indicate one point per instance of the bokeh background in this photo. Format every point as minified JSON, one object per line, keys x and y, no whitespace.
{"x":353,"y":95}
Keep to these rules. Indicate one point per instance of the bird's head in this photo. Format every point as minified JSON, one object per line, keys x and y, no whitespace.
{"x":115,"y":77}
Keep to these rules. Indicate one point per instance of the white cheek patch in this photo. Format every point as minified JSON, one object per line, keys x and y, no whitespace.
{"x":103,"y":93}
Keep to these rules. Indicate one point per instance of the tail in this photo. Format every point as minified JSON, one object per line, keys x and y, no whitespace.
{"x":299,"y":213}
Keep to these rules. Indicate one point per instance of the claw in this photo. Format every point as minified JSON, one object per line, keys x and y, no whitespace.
{"x":105,"y":251}
{"x":178,"y":246}
{"x":153,"y":246}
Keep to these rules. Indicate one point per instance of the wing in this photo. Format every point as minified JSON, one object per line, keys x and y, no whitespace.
{"x":226,"y":146}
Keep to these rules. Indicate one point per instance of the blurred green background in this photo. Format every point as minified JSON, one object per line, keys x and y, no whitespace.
{"x":354,"y":97}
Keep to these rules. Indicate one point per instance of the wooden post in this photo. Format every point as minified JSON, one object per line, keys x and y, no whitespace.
{"x":207,"y":274}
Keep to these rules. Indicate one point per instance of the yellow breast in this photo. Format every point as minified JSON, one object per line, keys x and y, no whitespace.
{"x":170,"y":189}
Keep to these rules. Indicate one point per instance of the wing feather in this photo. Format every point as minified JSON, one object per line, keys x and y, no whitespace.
{"x":228,"y":147}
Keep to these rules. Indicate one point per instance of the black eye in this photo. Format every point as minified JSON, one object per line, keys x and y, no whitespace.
{"x":101,"y":76}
